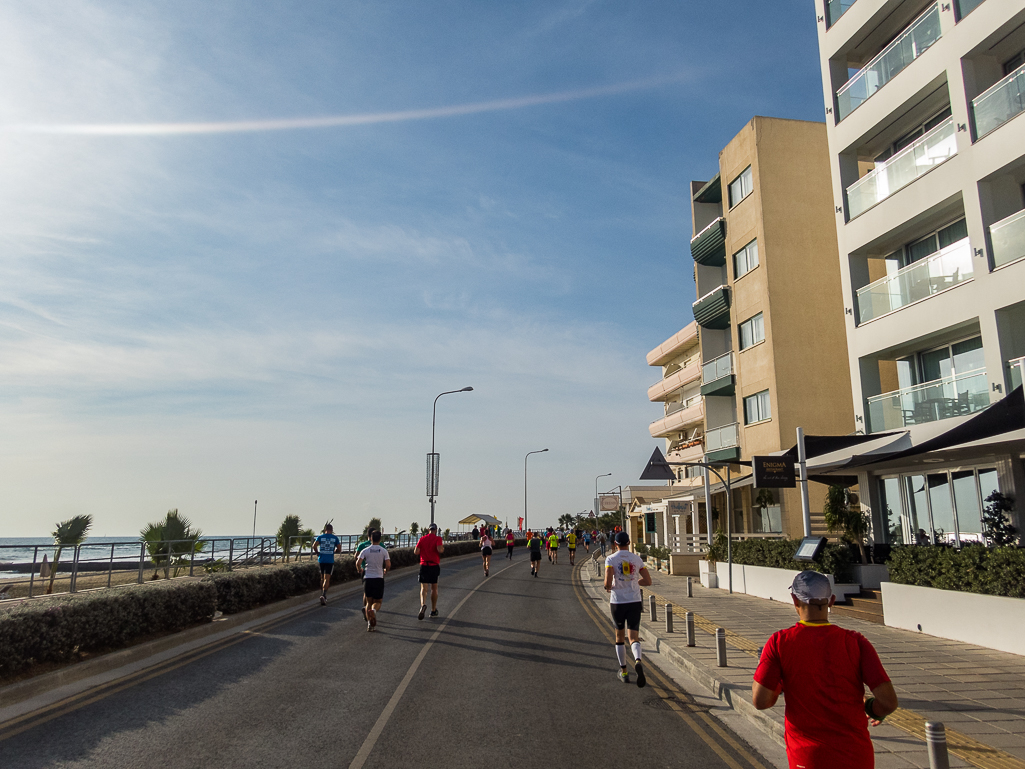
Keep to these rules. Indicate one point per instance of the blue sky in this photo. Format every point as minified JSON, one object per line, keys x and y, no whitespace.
{"x":200,"y":319}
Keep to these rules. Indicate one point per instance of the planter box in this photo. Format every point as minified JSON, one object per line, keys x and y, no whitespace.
{"x":766,"y":582}
{"x":871,"y":575}
{"x":706,"y":569}
{"x":686,"y":564}
{"x":991,"y":621}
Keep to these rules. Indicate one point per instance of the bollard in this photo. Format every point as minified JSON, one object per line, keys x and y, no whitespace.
{"x":690,"y":629}
{"x":936,"y":741}
{"x":720,"y":646}
{"x":652,"y":609}
{"x":690,"y":587}
{"x":669,"y":618}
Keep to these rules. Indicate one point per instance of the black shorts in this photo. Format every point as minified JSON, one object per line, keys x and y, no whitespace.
{"x":373,"y":588}
{"x":327,"y":568}
{"x":485,"y":551}
{"x":628,"y":614}
{"x":510,"y":547}
{"x":429,"y":574}
{"x":535,"y":556}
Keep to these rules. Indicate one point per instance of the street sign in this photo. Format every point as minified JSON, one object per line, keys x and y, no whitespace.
{"x":809,"y":548}
{"x":609,"y":502}
{"x":657,"y":468}
{"x":774,"y":472}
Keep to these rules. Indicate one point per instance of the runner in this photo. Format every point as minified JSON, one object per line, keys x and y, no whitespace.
{"x":601,"y":539}
{"x":625,"y":575}
{"x":429,"y":548}
{"x":510,"y":542}
{"x":360,"y":547}
{"x":487,"y":545}
{"x":373,"y":563}
{"x":553,"y":547}
{"x":587,"y":540}
{"x":571,"y":543}
{"x":327,"y":544}
{"x":534,"y":545}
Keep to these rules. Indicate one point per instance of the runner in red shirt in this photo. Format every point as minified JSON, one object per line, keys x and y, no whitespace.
{"x":823,"y":669}
{"x":429,"y":548}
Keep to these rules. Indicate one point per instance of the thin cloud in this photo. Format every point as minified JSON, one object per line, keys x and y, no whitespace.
{"x":336,"y":121}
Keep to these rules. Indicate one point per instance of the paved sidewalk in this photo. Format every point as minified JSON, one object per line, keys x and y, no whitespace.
{"x":978,"y":693}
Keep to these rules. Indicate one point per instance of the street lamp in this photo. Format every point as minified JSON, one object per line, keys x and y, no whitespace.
{"x":433,"y":460}
{"x":539,"y":451}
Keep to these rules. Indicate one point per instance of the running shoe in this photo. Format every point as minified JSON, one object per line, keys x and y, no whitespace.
{"x":623,"y":676}
{"x":323,"y":600}
{"x":485,"y":572}
{"x":434,"y":613}
{"x":373,"y":621}
{"x":369,"y":626}
{"x":641,"y":680}
{"x":423,"y":611}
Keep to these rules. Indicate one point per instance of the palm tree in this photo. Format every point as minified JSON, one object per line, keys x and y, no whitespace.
{"x":414,"y":529}
{"x":304,"y":538}
{"x":171,"y":540}
{"x":287,"y":533}
{"x":69,"y":533}
{"x":566,"y":520}
{"x":375,"y":523}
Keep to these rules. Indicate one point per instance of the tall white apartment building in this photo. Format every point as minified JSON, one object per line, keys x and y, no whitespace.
{"x":924,"y":104}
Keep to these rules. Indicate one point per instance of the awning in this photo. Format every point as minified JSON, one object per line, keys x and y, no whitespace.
{"x":737,"y":482}
{"x":480,"y":518}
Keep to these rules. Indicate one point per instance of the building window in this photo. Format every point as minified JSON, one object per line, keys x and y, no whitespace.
{"x":752,"y":331}
{"x":745,"y":260}
{"x":741,"y":187}
{"x":943,"y":507}
{"x":756,"y":408}
{"x":913,"y":135}
{"x":694,"y":472}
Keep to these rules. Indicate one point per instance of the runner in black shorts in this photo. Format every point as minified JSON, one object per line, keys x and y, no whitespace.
{"x":429,"y":548}
{"x":534,"y":545}
{"x":373,"y":563}
{"x":487,"y":545}
{"x":625,"y":575}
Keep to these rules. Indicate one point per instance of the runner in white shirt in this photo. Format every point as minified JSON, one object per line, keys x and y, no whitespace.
{"x":487,"y":545}
{"x":625,"y":575}
{"x":373,"y":563}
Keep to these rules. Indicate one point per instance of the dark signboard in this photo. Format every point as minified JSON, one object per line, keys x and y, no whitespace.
{"x":649,"y":523}
{"x":774,"y":472}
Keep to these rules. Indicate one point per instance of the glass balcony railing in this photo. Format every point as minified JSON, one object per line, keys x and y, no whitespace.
{"x":964,"y":7}
{"x":930,"y":402}
{"x":927,"y":152}
{"x":920,"y":280}
{"x":1003,"y":101}
{"x":1015,"y":373}
{"x":717,"y":369}
{"x":835,"y":9}
{"x":725,"y":437}
{"x":1008,"y":239}
{"x":912,"y":43}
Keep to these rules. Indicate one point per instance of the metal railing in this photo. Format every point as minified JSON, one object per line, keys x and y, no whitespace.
{"x":714,"y":223}
{"x":725,"y":437}
{"x":717,"y":368}
{"x":1008,"y":239}
{"x":998,"y":104}
{"x":100,"y":565}
{"x":945,"y":269}
{"x":888,"y":63}
{"x":915,"y":160}
{"x":929,"y":402}
{"x":698,"y":543}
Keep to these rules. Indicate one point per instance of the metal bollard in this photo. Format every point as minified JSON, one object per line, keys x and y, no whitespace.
{"x":936,"y":741}
{"x":690,"y":629}
{"x":690,"y":587}
{"x":720,"y":647}
{"x":669,"y":618}
{"x":652,"y":609}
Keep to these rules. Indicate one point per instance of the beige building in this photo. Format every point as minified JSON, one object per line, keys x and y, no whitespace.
{"x":769,"y":315}
{"x":923,"y":105}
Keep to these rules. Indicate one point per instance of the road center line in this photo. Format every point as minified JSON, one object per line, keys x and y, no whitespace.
{"x":382,"y":720}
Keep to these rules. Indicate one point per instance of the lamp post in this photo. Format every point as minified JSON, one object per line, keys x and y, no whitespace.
{"x":539,"y":451}
{"x":254,"y":517}
{"x":596,"y":507}
{"x":433,"y":460}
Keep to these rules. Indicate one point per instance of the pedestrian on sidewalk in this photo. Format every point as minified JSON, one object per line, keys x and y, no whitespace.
{"x":373,"y":563}
{"x":326,"y":545}
{"x":625,"y":575}
{"x":601,"y":540}
{"x":475,"y":533}
{"x":510,"y":543}
{"x":487,"y":545}
{"x":823,"y":669}
{"x":429,"y":548}
{"x":534,"y":546}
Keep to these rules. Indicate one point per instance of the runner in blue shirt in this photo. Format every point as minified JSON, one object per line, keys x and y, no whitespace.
{"x":326,"y":545}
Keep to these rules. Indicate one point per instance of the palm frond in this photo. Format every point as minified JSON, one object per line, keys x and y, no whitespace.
{"x":72,"y":531}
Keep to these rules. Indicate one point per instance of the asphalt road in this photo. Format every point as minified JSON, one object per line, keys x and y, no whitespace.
{"x":516,"y":672}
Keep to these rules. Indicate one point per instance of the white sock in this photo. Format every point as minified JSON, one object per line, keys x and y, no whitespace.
{"x":635,"y":647}
{"x":621,"y":654}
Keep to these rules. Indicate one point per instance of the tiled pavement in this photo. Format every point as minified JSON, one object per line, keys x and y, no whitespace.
{"x":977,"y":693}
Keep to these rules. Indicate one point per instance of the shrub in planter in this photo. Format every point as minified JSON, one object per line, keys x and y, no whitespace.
{"x":972,"y":569}
{"x":835,"y":559}
{"x":63,"y":628}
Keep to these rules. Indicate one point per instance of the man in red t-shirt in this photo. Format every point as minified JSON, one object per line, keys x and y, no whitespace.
{"x":823,"y":669}
{"x":429,"y":548}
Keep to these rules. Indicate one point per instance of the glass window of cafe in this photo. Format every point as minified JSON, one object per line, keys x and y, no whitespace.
{"x":939,"y":507}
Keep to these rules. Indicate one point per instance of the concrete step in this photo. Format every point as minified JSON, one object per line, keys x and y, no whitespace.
{"x":866,"y":604}
{"x":867,"y":616}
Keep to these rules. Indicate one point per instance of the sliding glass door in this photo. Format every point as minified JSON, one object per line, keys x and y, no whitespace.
{"x":942,"y":508}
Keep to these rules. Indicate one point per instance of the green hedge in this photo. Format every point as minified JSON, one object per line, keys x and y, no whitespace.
{"x":63,"y":628}
{"x":779,"y":554}
{"x":972,"y":569}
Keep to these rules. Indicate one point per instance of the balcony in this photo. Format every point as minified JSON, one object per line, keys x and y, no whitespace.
{"x":1008,"y":239}
{"x":678,"y":419}
{"x":717,"y":376}
{"x":835,"y":9}
{"x":915,"y":160}
{"x":722,"y":443}
{"x":964,"y":7}
{"x":1015,"y":373}
{"x":945,"y":398}
{"x":663,"y":388}
{"x":713,"y":309}
{"x":674,"y":345}
{"x":945,"y":269}
{"x":888,"y":63}
{"x":708,"y":247}
{"x":1003,"y":101}
{"x":690,"y":451}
